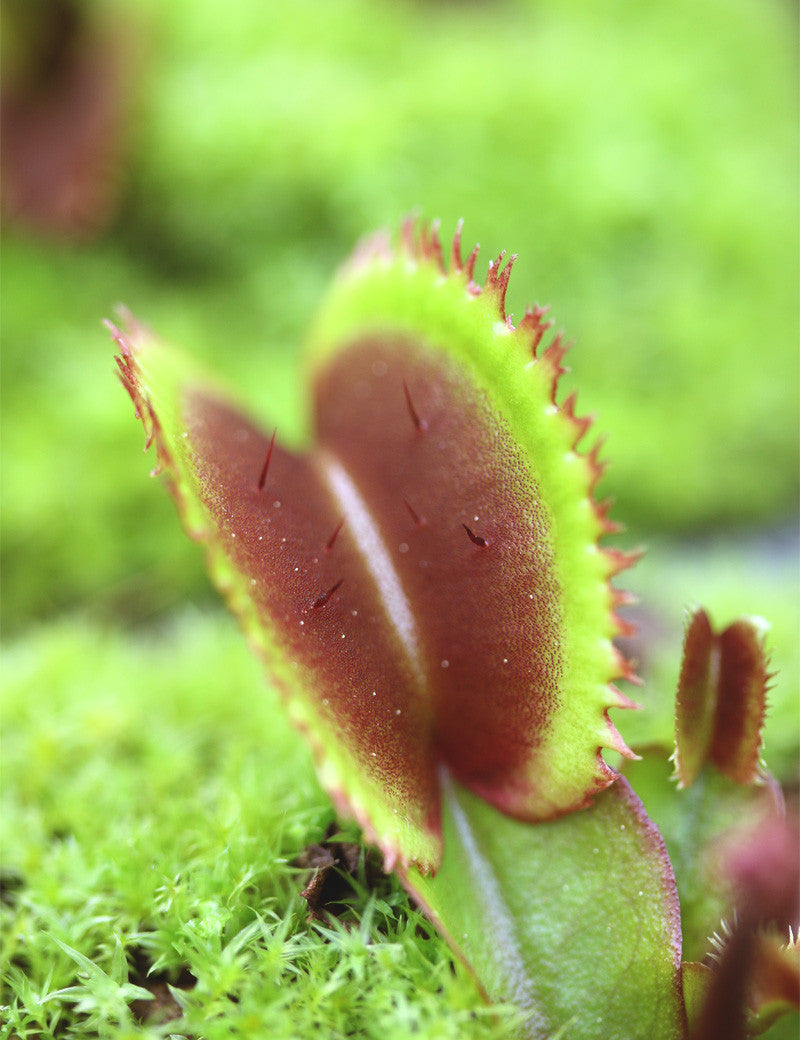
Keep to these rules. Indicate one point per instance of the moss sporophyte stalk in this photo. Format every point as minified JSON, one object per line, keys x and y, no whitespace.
{"x":427,"y":587}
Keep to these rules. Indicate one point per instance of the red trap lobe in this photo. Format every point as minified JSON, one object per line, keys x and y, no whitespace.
{"x":321,"y":605}
{"x":486,"y":624}
{"x":423,"y":650}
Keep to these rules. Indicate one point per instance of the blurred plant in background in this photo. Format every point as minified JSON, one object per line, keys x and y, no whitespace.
{"x":210,"y":167}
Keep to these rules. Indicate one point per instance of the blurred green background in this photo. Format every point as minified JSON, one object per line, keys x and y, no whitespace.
{"x":210,"y":166}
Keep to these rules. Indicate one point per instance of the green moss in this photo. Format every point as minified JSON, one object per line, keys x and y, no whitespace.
{"x":153,"y":800}
{"x":152,"y":809}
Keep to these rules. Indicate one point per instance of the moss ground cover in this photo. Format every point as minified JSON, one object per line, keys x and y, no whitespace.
{"x":149,"y":827}
{"x":153,"y":808}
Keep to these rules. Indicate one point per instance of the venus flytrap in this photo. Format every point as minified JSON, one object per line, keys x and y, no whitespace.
{"x":427,"y":588}
{"x":425,"y":583}
{"x":734,"y":845}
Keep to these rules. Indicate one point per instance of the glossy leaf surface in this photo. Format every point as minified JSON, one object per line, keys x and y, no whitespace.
{"x":574,"y":920}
